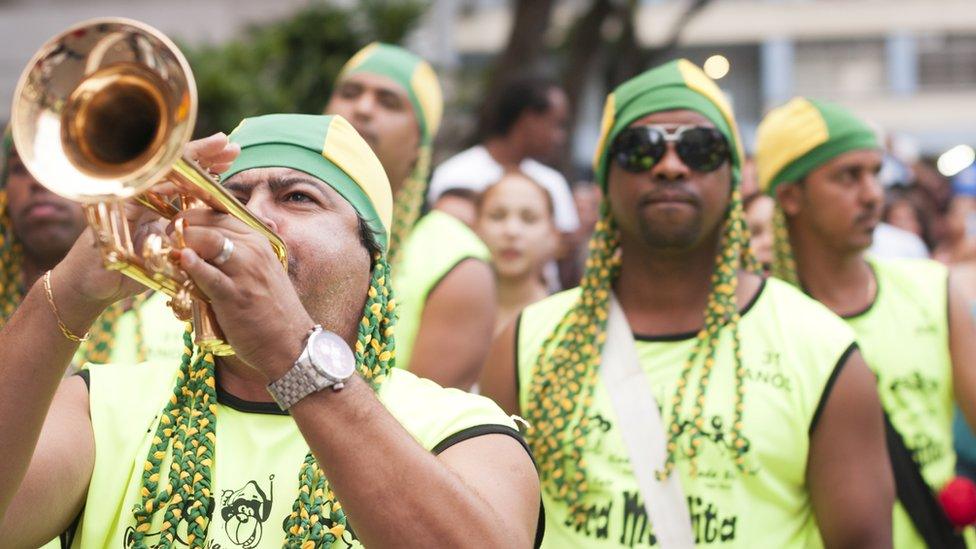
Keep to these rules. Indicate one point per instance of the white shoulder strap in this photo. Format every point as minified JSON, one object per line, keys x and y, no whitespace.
{"x":640,"y":426}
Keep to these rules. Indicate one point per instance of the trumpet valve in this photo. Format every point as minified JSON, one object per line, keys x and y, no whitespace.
{"x":156,"y":259}
{"x":182,"y":302}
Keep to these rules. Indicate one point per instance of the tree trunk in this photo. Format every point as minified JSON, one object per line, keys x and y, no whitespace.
{"x":526,"y":44}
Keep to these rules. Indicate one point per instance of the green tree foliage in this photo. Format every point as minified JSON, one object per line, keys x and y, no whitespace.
{"x":290,"y":65}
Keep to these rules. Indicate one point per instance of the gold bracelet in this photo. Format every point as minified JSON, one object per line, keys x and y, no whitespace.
{"x":50,"y":299}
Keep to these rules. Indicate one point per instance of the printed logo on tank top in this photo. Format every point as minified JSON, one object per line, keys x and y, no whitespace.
{"x":915,"y":396}
{"x":244,"y":515}
{"x":616,"y":513}
{"x":625,"y":509}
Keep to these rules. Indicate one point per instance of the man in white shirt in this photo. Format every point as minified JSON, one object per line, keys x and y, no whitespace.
{"x":526,"y":126}
{"x":892,"y":242}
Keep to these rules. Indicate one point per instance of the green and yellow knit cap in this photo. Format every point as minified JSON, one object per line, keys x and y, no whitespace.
{"x":802,"y":135}
{"x":675,"y":85}
{"x":412,"y":73}
{"x":323,"y":146}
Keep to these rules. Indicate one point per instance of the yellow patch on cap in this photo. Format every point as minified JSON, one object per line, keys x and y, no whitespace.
{"x":359,"y":57}
{"x":698,"y":81}
{"x":606,"y":124}
{"x":427,"y":89}
{"x":239,"y":126}
{"x":786,"y":134}
{"x":345,"y":148}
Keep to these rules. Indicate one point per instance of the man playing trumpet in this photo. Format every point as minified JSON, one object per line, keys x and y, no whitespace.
{"x":197,"y":453}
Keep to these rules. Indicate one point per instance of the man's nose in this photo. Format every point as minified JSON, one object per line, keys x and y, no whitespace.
{"x":260,"y":204}
{"x":364,"y":105}
{"x":670,"y":167}
{"x":35,"y":188}
{"x":511,"y":226}
{"x":871,"y":191}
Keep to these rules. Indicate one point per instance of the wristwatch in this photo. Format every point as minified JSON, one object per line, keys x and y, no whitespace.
{"x":326,"y":361}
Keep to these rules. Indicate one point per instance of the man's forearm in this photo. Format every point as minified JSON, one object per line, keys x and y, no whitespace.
{"x":393,"y":490}
{"x":33,"y":357}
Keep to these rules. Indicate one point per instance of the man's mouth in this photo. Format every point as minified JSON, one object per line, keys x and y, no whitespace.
{"x":869,"y":219}
{"x":668,"y":198}
{"x":510,"y":254}
{"x":44,"y":211}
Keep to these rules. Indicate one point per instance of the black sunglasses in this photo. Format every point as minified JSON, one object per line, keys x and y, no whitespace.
{"x":639,"y":148}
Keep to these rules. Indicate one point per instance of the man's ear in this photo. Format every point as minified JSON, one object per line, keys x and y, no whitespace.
{"x":789,"y":196}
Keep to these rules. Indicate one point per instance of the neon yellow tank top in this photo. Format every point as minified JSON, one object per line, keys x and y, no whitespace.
{"x":258,"y":451}
{"x":904,"y":336}
{"x":791,"y":347}
{"x":437,"y":244}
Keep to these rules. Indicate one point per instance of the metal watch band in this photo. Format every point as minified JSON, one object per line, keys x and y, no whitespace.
{"x":296,"y":384}
{"x":301,"y":380}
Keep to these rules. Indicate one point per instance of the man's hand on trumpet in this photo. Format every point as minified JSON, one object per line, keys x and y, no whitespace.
{"x":82,"y":275}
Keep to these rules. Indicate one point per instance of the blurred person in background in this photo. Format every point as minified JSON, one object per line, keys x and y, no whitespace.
{"x":904,"y":231}
{"x":821,"y":163}
{"x":39,"y":227}
{"x":759,"y":216}
{"x":960,"y":232}
{"x":900,"y":211}
{"x":525,"y":127}
{"x":933,"y":193}
{"x":515,"y":220}
{"x":964,"y":439}
{"x":959,"y":242}
{"x":750,"y":186}
{"x":587,"y":196}
{"x":900,"y":233}
{"x":445,"y":286}
{"x":890,"y":242}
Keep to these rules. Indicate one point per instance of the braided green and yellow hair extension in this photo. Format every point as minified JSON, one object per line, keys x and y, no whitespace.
{"x":567,"y":368}
{"x":419,"y":81}
{"x":793,"y":140}
{"x":185,"y":438}
{"x":409,"y":203}
{"x":784,"y":264}
{"x":98,"y":348}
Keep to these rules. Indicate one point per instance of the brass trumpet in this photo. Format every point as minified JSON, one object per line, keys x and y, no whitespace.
{"x":101,"y":114}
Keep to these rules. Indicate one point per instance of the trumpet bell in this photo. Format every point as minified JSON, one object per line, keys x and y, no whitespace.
{"x":102,"y":110}
{"x":101,"y":114}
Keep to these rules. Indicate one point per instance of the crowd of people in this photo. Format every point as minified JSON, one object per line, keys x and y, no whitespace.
{"x":702,"y":347}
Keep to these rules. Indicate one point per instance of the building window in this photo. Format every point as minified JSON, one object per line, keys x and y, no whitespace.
{"x":946,"y":62}
{"x":840,"y":69}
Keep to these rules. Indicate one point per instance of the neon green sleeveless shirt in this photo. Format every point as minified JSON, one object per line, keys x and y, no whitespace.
{"x":437,"y":244}
{"x":792,"y":347}
{"x":259,"y":451}
{"x":904,"y":336}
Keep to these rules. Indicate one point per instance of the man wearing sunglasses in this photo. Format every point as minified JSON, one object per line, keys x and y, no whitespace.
{"x":676,"y":398}
{"x":820,"y":163}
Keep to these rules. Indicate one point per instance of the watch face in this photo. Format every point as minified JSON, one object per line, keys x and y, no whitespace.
{"x":331,"y":356}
